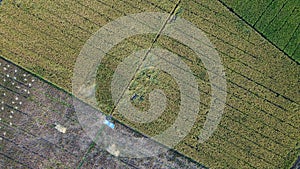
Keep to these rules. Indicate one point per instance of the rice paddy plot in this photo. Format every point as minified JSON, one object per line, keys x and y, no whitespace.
{"x":277,"y":20}
{"x":261,"y":120}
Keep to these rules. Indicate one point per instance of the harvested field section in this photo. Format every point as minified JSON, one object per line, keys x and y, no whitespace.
{"x":28,"y":134}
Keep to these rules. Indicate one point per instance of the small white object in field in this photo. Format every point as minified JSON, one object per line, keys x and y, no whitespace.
{"x":24,"y":75}
{"x":4,"y":133}
{"x":4,"y":80}
{"x":7,"y":75}
{"x":2,"y":102}
{"x":32,"y":80}
{"x":17,"y":98}
{"x":15,"y":77}
{"x":61,"y":128}
{"x":16,"y":107}
{"x":25,"y":79}
{"x":18,"y":87}
{"x":8,"y":65}
{"x":2,"y":108}
{"x":10,"y":123}
{"x":113,"y":150}
{"x":1,"y":138}
{"x":5,"y":68}
{"x":13,"y":83}
{"x":20,"y":103}
{"x":16,"y":70}
{"x":12,"y":112}
{"x":29,"y":84}
{"x":12,"y":102}
{"x":4,"y":94}
{"x":10,"y":116}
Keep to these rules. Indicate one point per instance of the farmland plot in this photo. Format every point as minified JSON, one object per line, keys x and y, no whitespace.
{"x":259,"y":128}
{"x":277,"y":20}
{"x":30,"y":112}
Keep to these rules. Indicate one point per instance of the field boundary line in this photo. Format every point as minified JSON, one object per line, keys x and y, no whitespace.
{"x":260,"y":16}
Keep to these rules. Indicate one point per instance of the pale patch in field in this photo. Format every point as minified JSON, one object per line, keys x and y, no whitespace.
{"x":61,"y":128}
{"x":113,"y":150}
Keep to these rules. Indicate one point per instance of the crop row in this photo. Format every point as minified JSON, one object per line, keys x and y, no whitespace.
{"x":236,"y":53}
{"x":277,"y":20}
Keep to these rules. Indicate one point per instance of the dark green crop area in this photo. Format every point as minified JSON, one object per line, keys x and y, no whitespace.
{"x":277,"y":20}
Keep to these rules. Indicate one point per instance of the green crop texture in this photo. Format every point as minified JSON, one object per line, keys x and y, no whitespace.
{"x":260,"y":126}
